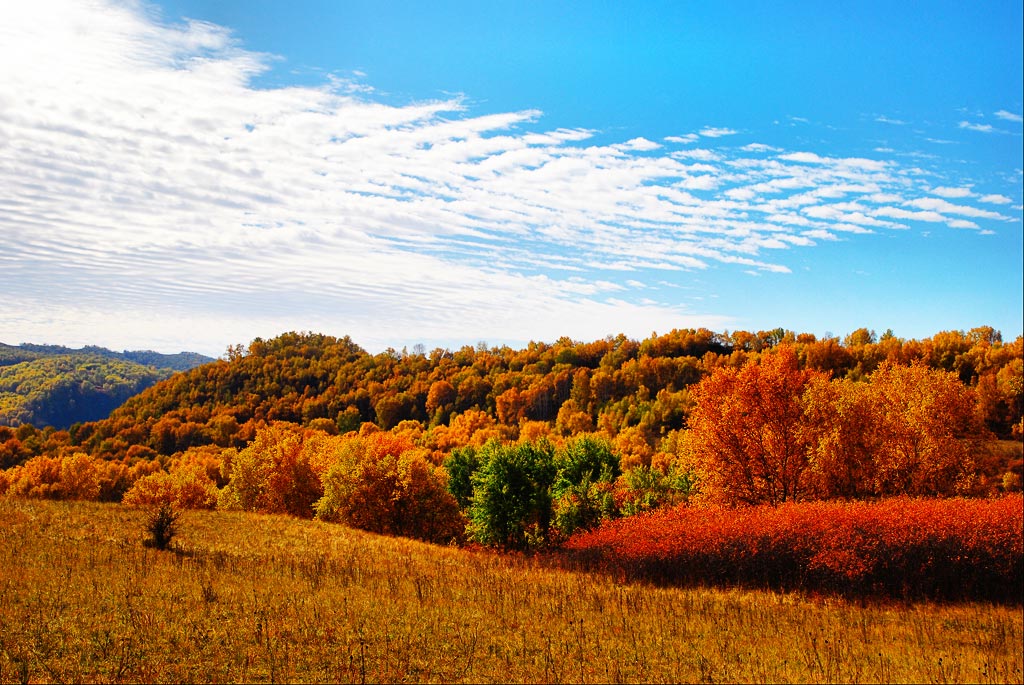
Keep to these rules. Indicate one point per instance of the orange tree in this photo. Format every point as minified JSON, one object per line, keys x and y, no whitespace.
{"x":843,"y":433}
{"x":382,"y":483}
{"x":747,"y":429}
{"x":274,"y":474}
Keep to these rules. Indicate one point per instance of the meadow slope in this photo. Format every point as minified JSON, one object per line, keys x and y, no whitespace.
{"x":260,"y":598}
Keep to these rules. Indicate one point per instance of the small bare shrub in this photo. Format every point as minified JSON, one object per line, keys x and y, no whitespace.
{"x":161,"y":526}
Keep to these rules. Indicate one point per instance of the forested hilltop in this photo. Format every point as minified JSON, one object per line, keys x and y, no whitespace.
{"x":51,"y":385}
{"x":636,"y":394}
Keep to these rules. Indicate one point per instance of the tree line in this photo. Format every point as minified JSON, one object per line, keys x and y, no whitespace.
{"x":638,"y":394}
{"x":767,"y":433}
{"x":62,"y":390}
{"x":459,"y":448}
{"x":56,"y":386}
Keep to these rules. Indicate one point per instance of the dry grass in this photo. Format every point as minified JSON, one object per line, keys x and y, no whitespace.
{"x":266,"y":598}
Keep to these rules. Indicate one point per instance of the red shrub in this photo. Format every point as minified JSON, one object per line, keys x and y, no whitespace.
{"x":900,"y":547}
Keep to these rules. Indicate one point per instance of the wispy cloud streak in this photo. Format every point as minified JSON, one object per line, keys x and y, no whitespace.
{"x":144,"y":178}
{"x":1009,"y":116}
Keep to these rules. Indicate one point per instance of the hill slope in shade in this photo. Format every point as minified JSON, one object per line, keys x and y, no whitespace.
{"x":49,"y":385}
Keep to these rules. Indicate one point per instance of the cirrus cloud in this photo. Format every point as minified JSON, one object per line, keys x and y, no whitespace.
{"x":150,"y":189}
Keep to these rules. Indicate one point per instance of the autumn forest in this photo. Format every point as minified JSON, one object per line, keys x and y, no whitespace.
{"x":429,"y":445}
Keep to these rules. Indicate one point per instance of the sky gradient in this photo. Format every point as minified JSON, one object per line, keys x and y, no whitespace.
{"x":190,"y":175}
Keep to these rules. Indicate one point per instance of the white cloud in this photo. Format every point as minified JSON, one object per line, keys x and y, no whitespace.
{"x":843,"y":217}
{"x":562,"y":135}
{"x":713,"y":132}
{"x":981,"y":128}
{"x":1009,"y":116}
{"x":804,"y":157}
{"x":741,"y":193}
{"x":898,"y":213}
{"x":932,"y":203}
{"x":685,"y":140}
{"x":821,"y":234}
{"x":638,"y":145}
{"x":995,"y":199}
{"x":943,"y":191}
{"x":883,"y":198}
{"x":852,"y":162}
{"x":147,"y":185}
{"x":698,"y":153}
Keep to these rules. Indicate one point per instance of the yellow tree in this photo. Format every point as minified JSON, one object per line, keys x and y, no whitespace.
{"x":842,"y":429}
{"x":930,"y":428}
{"x":273,"y":474}
{"x":572,"y":420}
{"x":384,"y":484}
{"x":440,"y":401}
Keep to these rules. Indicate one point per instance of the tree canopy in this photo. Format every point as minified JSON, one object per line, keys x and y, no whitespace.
{"x":807,"y":413}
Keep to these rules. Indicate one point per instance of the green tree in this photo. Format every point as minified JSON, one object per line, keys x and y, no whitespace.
{"x":511,"y":505}
{"x":461,"y":464}
{"x":582,"y":492}
{"x":587,"y":457}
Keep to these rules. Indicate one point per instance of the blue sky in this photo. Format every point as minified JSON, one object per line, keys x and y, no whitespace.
{"x":189,"y":175}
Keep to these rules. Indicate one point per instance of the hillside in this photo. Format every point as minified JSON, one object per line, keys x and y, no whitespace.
{"x":636,"y":393}
{"x":47,"y":385}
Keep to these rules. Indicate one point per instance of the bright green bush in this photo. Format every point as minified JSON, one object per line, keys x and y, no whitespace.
{"x":461,"y":464}
{"x":582,"y":492}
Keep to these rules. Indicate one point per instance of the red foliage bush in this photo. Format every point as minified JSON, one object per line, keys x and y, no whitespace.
{"x":948,"y":549}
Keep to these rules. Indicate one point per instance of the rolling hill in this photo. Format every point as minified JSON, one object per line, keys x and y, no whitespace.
{"x":49,"y":385}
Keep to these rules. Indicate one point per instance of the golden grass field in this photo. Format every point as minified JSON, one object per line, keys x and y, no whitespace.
{"x":259,"y":598}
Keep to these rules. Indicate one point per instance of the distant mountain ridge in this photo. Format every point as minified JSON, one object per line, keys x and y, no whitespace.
{"x":52,"y":385}
{"x":182,"y":361}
